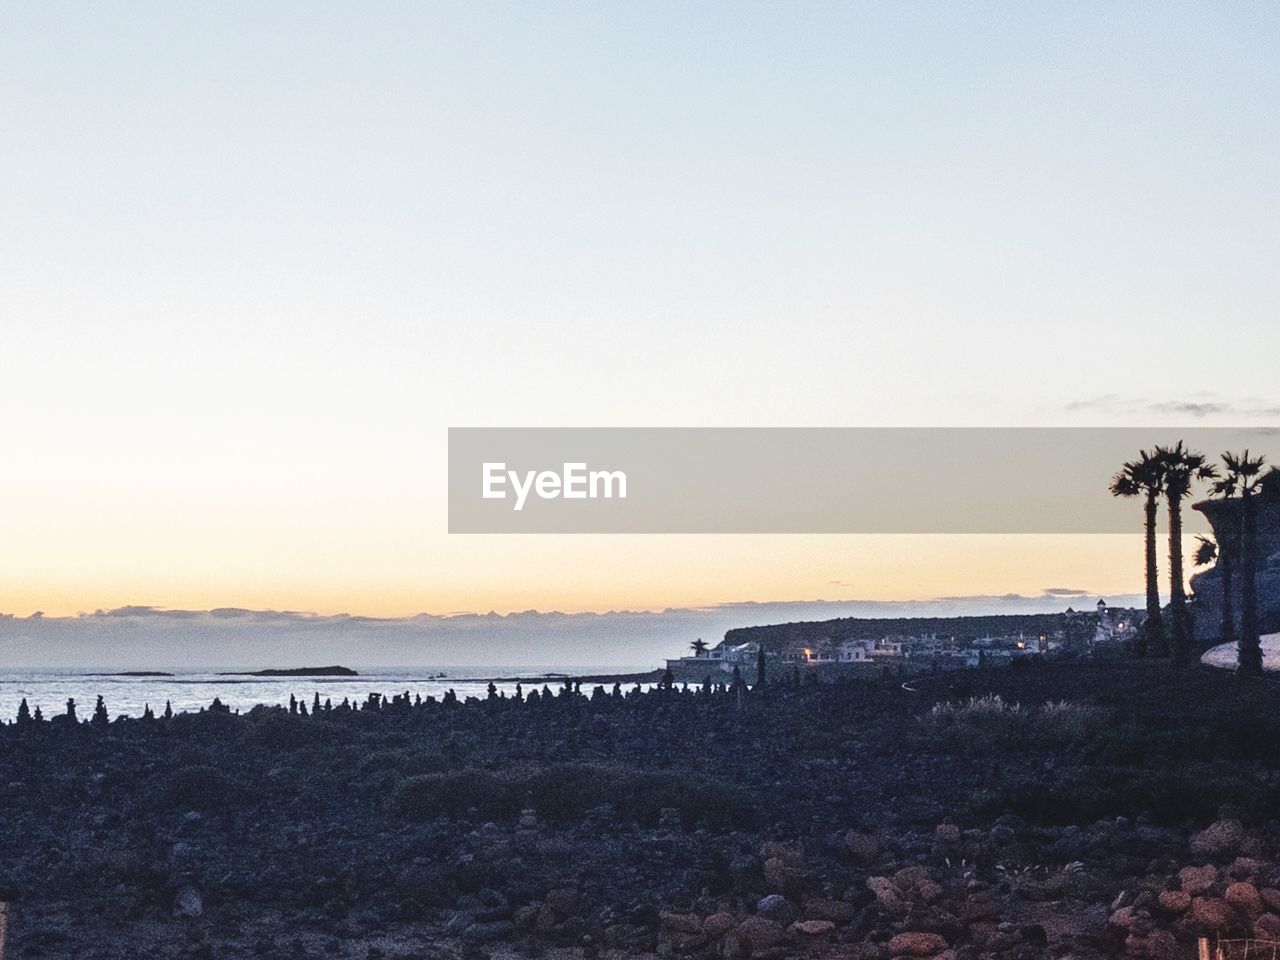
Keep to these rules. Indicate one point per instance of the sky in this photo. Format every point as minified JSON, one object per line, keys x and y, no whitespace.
{"x":258,"y":257}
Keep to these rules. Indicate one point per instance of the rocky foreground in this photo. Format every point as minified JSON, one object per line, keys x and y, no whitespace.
{"x":1058,"y":810}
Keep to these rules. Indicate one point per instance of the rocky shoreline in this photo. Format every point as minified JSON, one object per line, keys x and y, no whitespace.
{"x":854,"y":820}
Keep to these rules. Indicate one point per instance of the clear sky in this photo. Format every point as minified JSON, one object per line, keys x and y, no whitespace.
{"x":257,"y":257}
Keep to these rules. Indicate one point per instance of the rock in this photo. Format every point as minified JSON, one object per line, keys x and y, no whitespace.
{"x":862,"y":847}
{"x":1245,"y":898}
{"x":1210,"y":914}
{"x":1245,"y":868}
{"x":682,"y":922}
{"x":718,"y":924}
{"x":563,"y":901}
{"x":1271,"y":897}
{"x":188,"y":904}
{"x":1175,"y":901}
{"x":916,"y":945}
{"x":528,"y":820}
{"x":1267,"y":927}
{"x":777,"y":909}
{"x":980,"y":908}
{"x":756,"y":935}
{"x":525,"y":917}
{"x":682,"y":931}
{"x":812,"y":928}
{"x":1219,"y":839}
{"x":782,"y":876}
{"x":1156,"y":945}
{"x":1121,"y":919}
{"x":837,"y":911}
{"x":947,"y":835}
{"x":886,"y":895}
{"x":1197,"y":880}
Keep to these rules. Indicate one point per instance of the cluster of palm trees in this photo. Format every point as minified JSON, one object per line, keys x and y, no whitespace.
{"x":1168,"y":474}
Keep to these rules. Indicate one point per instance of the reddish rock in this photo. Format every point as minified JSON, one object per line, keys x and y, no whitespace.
{"x":982,"y":932}
{"x":1271,"y":897}
{"x":1210,"y":914}
{"x":947,"y":835}
{"x":1198,"y":880}
{"x":916,"y":945}
{"x":911,"y":878}
{"x":1122,"y":919}
{"x":812,"y":928}
{"x":1267,"y":927}
{"x":1245,"y":898}
{"x":1245,"y":868}
{"x":1175,"y":901}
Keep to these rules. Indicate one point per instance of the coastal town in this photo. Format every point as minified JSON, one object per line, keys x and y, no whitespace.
{"x":852,"y":648}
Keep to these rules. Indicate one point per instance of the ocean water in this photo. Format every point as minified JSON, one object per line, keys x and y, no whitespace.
{"x":128,"y":696}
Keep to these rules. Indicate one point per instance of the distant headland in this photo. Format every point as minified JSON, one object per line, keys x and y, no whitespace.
{"x":333,"y":671}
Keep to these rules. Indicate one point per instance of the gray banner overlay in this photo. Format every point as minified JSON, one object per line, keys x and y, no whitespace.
{"x":809,"y":480}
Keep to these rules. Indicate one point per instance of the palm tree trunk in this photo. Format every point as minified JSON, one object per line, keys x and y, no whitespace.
{"x":1180,"y":641}
{"x":1250,"y":650}
{"x":1153,"y":640}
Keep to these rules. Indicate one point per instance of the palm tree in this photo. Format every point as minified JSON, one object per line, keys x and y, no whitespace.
{"x":1181,"y":468}
{"x":1244,"y":473}
{"x":699,"y":647}
{"x":1229,"y":538}
{"x":1144,"y":477}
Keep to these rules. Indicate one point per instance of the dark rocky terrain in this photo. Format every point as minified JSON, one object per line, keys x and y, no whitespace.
{"x":850,"y":820}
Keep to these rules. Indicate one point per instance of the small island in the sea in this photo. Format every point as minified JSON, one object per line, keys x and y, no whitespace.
{"x":132,"y":673}
{"x":334,"y":671}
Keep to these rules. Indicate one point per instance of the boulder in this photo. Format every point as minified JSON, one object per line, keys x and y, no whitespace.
{"x":756,"y":935}
{"x":776,"y":908}
{"x":1244,"y":897}
{"x":947,"y":835}
{"x":563,"y":901}
{"x":1220,"y":839}
{"x":837,"y":911}
{"x":862,"y":847}
{"x":812,"y":928}
{"x":188,"y":904}
{"x":1156,"y":945}
{"x":1271,"y":897}
{"x":718,"y":924}
{"x":916,"y":944}
{"x":1210,"y":914}
{"x":782,"y":876}
{"x":1267,"y":927}
{"x":1198,"y":880}
{"x":1175,"y":901}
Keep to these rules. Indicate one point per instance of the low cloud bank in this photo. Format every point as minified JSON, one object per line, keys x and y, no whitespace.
{"x":151,"y":638}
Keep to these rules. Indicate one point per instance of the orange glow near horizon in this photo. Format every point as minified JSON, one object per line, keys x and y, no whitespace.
{"x":573,"y":574}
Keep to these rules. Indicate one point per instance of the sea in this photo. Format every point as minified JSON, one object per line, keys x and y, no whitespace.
{"x":192,"y":691}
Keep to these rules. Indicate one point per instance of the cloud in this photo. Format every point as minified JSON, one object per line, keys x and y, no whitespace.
{"x":1065,"y":592}
{"x":1198,"y":406}
{"x":154,"y":638}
